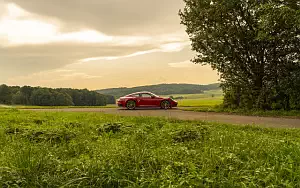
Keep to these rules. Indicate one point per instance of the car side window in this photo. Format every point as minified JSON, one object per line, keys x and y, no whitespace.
{"x":145,"y":95}
{"x":136,"y":95}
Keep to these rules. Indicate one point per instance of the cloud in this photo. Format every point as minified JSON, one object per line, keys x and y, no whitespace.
{"x":19,"y":27}
{"x":94,"y":43}
{"x":78,"y":75}
{"x":183,"y":64}
{"x":28,"y":59}
{"x":169,"y":47}
{"x":112,"y":17}
{"x":152,"y":68}
{"x":57,"y":76}
{"x":31,"y":42}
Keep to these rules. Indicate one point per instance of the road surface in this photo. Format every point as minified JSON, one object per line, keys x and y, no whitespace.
{"x":189,"y":115}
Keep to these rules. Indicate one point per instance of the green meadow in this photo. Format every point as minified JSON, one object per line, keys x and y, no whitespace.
{"x":51,"y":149}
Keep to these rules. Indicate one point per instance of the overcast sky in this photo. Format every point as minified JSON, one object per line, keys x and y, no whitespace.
{"x":96,"y":44}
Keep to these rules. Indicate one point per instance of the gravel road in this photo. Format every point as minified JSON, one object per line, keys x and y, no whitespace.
{"x":188,"y":115}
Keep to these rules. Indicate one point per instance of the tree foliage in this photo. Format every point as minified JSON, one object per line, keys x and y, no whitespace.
{"x":52,"y":97}
{"x":5,"y":94}
{"x":254,"y":45}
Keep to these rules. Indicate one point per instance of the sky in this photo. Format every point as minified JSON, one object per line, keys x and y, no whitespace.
{"x":96,"y":44}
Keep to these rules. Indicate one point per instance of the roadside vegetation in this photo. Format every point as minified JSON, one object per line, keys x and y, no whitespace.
{"x":97,"y":150}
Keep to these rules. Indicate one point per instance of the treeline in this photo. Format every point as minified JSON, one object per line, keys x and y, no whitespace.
{"x":162,"y":89}
{"x":39,"y":96}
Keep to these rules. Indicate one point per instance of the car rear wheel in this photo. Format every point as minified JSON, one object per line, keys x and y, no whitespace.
{"x":130,"y":105}
{"x":165,"y":105}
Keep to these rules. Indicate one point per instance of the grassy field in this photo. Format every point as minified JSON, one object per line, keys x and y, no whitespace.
{"x":97,"y":150}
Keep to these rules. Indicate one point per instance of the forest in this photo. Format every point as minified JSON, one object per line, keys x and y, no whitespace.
{"x":39,"y":96}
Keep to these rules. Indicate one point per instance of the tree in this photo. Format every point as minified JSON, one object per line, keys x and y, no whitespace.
{"x":26,"y":91}
{"x":61,"y":99}
{"x":5,"y":94}
{"x":41,"y":97}
{"x":19,"y":98}
{"x":110,"y":99}
{"x":254,"y":45}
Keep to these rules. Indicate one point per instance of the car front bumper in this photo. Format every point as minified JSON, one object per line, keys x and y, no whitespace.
{"x":120,"y":104}
{"x":174,"y":104}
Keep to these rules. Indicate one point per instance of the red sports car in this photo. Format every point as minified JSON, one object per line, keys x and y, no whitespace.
{"x":145,"y":99}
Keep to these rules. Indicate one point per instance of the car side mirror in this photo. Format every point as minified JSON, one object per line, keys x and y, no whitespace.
{"x":152,"y":97}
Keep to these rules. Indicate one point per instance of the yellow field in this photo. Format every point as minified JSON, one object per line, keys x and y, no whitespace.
{"x":207,"y":99}
{"x":200,"y":102}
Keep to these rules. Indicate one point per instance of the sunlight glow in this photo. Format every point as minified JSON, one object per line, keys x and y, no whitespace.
{"x":172,"y":47}
{"x":87,"y":36}
{"x":14,"y":11}
{"x":19,"y":27}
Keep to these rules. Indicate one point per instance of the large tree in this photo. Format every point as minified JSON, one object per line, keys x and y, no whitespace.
{"x":253,"y":44}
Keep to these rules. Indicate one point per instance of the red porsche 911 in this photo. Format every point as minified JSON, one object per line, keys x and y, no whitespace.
{"x":145,"y":99}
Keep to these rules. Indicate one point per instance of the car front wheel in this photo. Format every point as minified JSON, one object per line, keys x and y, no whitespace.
{"x":165,"y":105}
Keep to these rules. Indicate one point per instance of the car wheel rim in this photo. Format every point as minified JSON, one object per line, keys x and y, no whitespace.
{"x":130,"y":105}
{"x":166,"y":105}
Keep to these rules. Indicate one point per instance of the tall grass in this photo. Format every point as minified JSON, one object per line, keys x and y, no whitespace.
{"x":97,"y":150}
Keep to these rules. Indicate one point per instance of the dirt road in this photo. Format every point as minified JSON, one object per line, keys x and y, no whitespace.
{"x":188,"y":115}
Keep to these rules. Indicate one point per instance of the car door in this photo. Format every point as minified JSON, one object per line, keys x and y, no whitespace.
{"x":137,"y":98}
{"x":146,"y":100}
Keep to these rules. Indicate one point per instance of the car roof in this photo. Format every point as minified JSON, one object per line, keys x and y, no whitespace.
{"x":141,"y":92}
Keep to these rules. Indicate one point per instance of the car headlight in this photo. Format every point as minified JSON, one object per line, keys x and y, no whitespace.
{"x":174,"y":100}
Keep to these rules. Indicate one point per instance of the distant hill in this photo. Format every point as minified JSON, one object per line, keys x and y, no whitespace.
{"x":162,"y":89}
